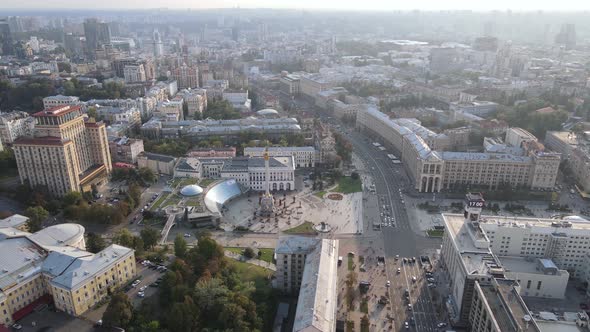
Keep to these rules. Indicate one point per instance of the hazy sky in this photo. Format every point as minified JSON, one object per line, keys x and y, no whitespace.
{"x":560,"y":5}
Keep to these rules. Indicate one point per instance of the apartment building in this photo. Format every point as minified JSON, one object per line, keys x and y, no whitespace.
{"x":124,"y":149}
{"x":195,"y":99}
{"x":14,"y":125}
{"x":186,"y":76}
{"x":59,"y":100}
{"x":53,"y":265}
{"x":433,"y":170}
{"x":304,"y":156}
{"x":66,"y":153}
{"x":134,"y":73}
{"x":308,"y":266}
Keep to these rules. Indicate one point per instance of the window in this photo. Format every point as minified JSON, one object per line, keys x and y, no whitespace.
{"x":528,"y":284}
{"x":538,"y":285}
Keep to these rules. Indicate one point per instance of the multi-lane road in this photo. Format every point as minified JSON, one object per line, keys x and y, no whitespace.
{"x":391,"y":182}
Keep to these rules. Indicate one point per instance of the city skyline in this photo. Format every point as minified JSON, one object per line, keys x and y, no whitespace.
{"x":370,"y":5}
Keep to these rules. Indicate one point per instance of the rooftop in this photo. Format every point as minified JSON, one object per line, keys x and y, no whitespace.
{"x":316,"y":305}
{"x":293,"y":244}
{"x":158,"y":157}
{"x":58,"y":110}
{"x":85,"y":267}
{"x":46,"y":141}
{"x":510,"y":311}
{"x":16,"y":220}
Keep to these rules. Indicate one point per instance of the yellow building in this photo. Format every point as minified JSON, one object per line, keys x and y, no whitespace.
{"x":53,"y":265}
{"x":67,"y":152}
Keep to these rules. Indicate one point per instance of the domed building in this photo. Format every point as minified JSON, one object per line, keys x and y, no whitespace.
{"x":267,"y":113}
{"x":191,"y":190}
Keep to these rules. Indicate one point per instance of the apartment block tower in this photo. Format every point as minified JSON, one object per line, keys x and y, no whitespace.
{"x":67,"y":152}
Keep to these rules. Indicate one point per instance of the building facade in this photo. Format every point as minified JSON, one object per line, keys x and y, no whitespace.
{"x":304,"y":156}
{"x":124,"y":149}
{"x":14,"y":125}
{"x":66,"y":154}
{"x":433,"y":170}
{"x":59,"y":100}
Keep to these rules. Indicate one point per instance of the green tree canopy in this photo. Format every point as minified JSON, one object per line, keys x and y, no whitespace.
{"x":119,"y":312}
{"x":36,"y":216}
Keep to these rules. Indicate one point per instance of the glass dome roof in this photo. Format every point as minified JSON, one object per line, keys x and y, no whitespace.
{"x":191,"y":190}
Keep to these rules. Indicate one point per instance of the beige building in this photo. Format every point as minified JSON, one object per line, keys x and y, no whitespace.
{"x":59,"y":100}
{"x":433,"y":170}
{"x":158,"y":163}
{"x":124,"y":149}
{"x":14,"y":125}
{"x":52,"y":265}
{"x":66,"y":154}
{"x":186,"y":76}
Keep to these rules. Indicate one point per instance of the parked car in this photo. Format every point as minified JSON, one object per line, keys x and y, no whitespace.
{"x":442,"y":324}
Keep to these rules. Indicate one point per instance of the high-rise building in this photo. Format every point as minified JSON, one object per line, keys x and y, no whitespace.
{"x":567,"y":36}
{"x":158,"y":45}
{"x":97,"y":34}
{"x":67,"y":152}
{"x":186,"y":76}
{"x":6,"y":43}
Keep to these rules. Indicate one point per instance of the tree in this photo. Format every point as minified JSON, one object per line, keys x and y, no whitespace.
{"x":147,"y":175}
{"x":249,"y":253}
{"x":124,"y":238}
{"x":119,"y":311}
{"x":180,"y":246}
{"x":150,"y":237}
{"x":92,"y":112}
{"x":71,"y":198}
{"x":36,"y":216}
{"x":95,"y":243}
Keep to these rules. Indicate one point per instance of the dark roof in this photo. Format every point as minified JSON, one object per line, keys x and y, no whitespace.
{"x":159,"y":157}
{"x":227,"y":148}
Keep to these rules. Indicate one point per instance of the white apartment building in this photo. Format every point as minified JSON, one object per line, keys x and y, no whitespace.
{"x":169,"y":110}
{"x":134,"y":73}
{"x":304,"y":156}
{"x":14,"y":125}
{"x":308,"y":266}
{"x":59,"y":100}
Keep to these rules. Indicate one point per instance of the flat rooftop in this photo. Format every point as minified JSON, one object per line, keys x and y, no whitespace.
{"x":477,"y":260}
{"x":508,"y":308}
{"x":550,"y":225}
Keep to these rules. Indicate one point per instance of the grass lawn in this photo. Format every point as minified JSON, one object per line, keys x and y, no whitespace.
{"x":187,"y":181}
{"x":320,"y":194}
{"x":172,"y":200}
{"x":205,"y":182}
{"x":267,"y":253}
{"x":235,"y":250}
{"x":365,"y":306}
{"x":305,"y":228}
{"x":193,"y":202}
{"x":175,"y":182}
{"x":348,"y":185}
{"x":350,"y":263}
{"x":435,"y":232}
{"x":161,"y":199}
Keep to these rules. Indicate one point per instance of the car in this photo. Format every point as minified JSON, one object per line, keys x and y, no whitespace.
{"x":414,"y":279}
{"x":388,"y":283}
{"x":98,"y":323}
{"x":399,"y":270}
{"x":431,"y":280}
{"x":413,"y":259}
{"x":405,"y":260}
{"x":17,"y":327}
{"x":432,"y":285}
{"x":141,"y":210}
{"x":187,"y":235}
{"x":442,"y":324}
{"x":407,"y":291}
{"x":409,"y":306}
{"x":407,"y":325}
{"x":141,"y":294}
{"x":143,"y":288}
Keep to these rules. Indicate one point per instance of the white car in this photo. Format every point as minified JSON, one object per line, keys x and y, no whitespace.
{"x":187,"y":235}
{"x":443,"y":324}
{"x":141,"y":294}
{"x":142,"y":289}
{"x":399,"y":270}
{"x":388,"y":283}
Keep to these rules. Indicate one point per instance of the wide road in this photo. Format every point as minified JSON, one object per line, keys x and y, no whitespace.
{"x":400,"y":238}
